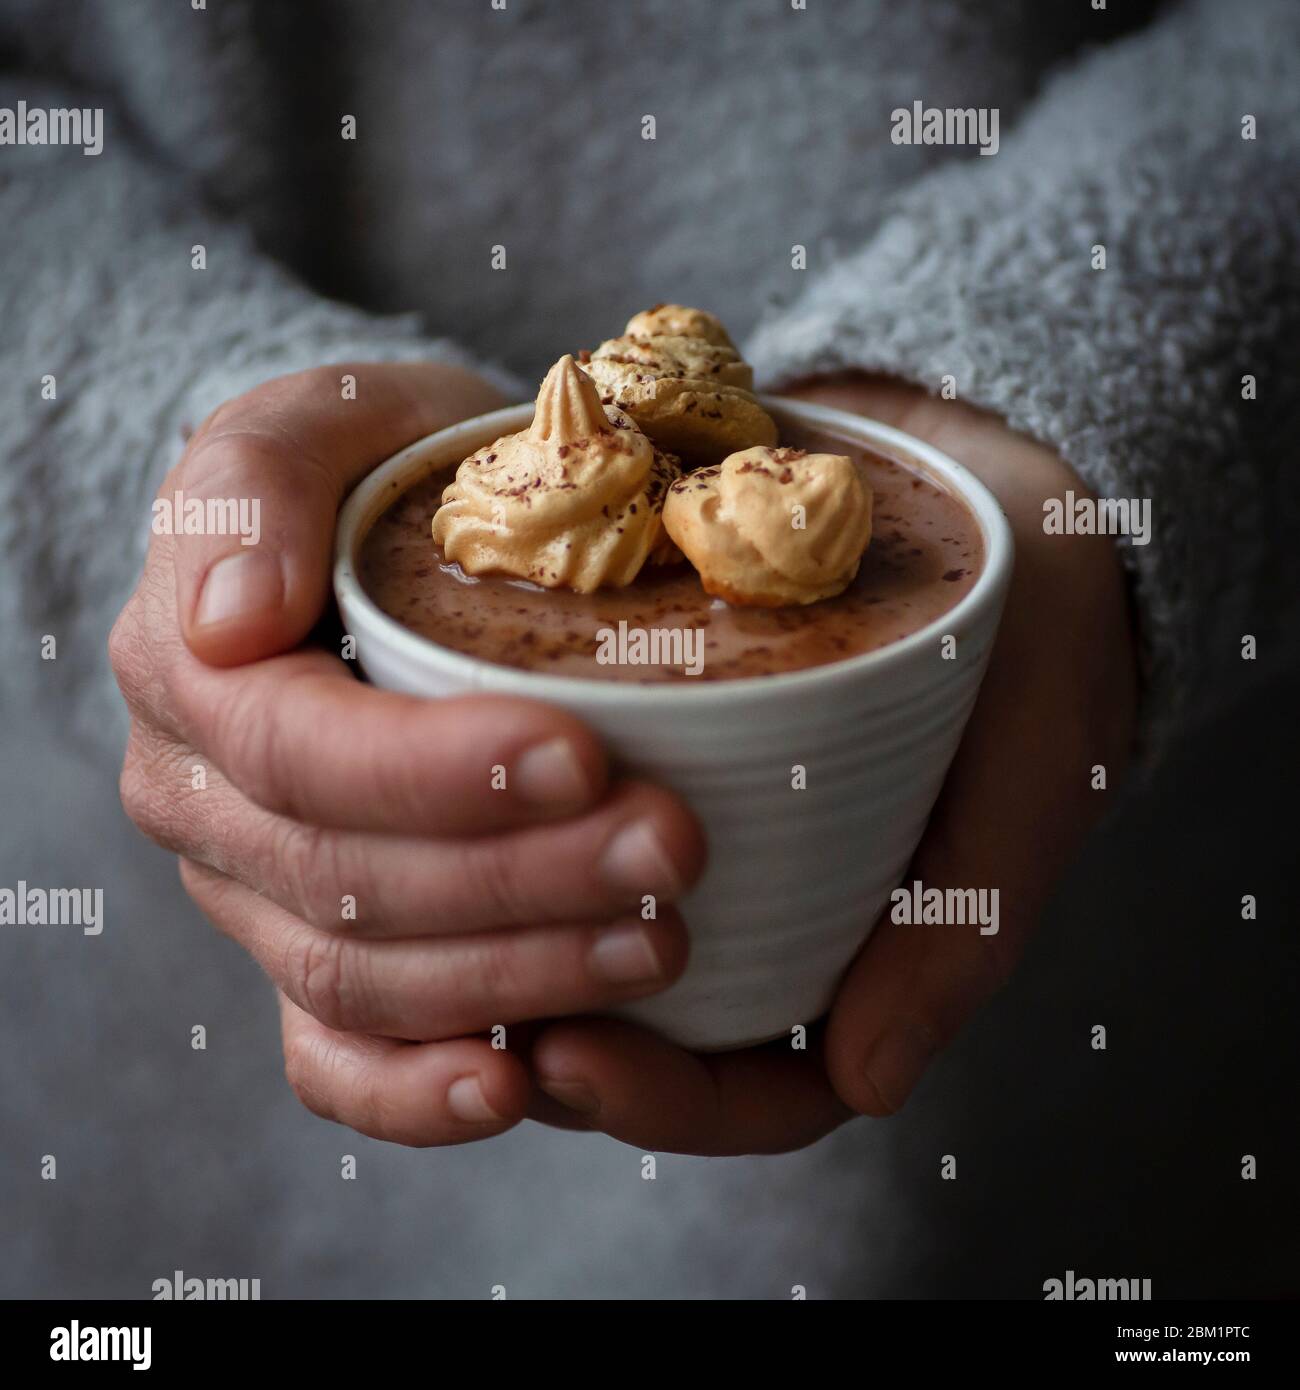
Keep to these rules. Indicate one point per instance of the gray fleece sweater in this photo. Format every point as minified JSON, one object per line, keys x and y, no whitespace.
{"x":522,"y":128}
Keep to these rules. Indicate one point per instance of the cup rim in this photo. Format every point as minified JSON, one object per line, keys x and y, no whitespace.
{"x":367,"y":501}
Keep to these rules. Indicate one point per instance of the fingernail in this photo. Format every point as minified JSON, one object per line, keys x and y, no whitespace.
{"x":636,"y":862}
{"x":573,"y":1095}
{"x":896,"y":1061}
{"x":465,"y":1100}
{"x":242,"y":584}
{"x":551,"y":774}
{"x":624,"y":955}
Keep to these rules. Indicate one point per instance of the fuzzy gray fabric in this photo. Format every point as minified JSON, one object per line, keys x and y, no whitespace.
{"x":522,"y":128}
{"x":1133,"y":373}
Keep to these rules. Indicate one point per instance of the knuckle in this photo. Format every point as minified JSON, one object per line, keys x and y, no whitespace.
{"x":314,"y":1075}
{"x":255,"y":434}
{"x":244,"y":728}
{"x":380,"y":1114}
{"x":216,"y":419}
{"x":130,"y":655}
{"x":123,"y":643}
{"x":135,"y":791}
{"x":302,"y":1073}
{"x":310,"y":864}
{"x":145,"y":804}
{"x":208,"y":891}
{"x":149,"y":789}
{"x":326,"y":981}
{"x":491,"y":874}
{"x":237,"y":462}
{"x":192,"y":880}
{"x":237,"y":416}
{"x":497,"y":970}
{"x":224,"y":460}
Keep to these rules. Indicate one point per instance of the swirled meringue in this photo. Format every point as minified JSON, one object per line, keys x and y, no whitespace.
{"x":737,"y":523}
{"x":687,"y":387}
{"x":575,"y":501}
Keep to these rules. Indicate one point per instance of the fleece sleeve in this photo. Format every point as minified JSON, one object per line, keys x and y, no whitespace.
{"x":114,"y":345}
{"x":1169,"y":375}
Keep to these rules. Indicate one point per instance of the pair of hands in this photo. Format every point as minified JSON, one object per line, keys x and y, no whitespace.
{"x":477,"y":907}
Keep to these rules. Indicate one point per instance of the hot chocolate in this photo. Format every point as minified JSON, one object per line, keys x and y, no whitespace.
{"x":649,"y":524}
{"x":925,"y":554}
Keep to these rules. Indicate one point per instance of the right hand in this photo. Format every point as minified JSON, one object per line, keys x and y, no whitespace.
{"x":473,"y":906}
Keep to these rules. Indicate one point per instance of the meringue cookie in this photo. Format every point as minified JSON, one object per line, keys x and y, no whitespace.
{"x":575,"y":501}
{"x":736,"y":523}
{"x":692,"y":395}
{"x":677,"y":321}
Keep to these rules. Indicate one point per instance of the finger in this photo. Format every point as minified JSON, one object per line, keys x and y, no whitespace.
{"x":299,"y":736}
{"x":372,"y":886}
{"x":380,"y":886}
{"x":421,"y":1094}
{"x":633,"y":1085}
{"x":445,"y":987}
{"x":271,"y":468}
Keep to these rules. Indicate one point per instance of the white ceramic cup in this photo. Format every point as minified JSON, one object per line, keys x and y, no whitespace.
{"x":795,"y":878}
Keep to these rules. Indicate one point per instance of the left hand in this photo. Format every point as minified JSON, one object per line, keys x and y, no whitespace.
{"x":1058,"y":698}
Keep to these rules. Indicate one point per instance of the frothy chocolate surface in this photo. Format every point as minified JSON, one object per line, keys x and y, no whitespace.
{"x":925,"y":554}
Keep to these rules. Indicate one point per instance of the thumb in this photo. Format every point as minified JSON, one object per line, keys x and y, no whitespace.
{"x":909,"y":992}
{"x":271,"y":467}
{"x":1014,"y":807}
{"x":1002,"y":829}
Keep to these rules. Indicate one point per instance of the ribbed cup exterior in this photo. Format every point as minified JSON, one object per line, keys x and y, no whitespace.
{"x":813,"y":787}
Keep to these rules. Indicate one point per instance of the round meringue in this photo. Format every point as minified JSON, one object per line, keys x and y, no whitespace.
{"x":678,"y":321}
{"x":691,"y":393}
{"x":575,"y":501}
{"x":737,"y":523}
